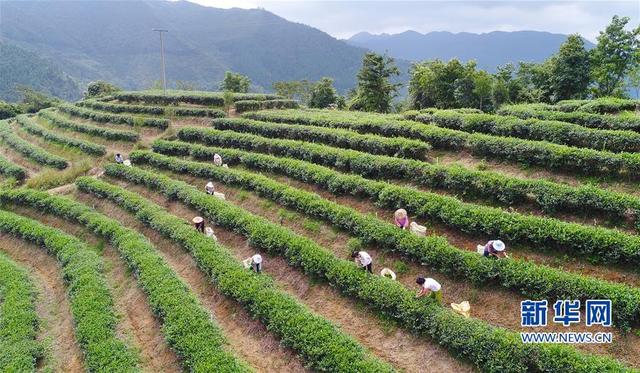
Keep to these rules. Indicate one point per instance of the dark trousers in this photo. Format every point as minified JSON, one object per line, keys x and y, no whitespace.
{"x":368,"y":268}
{"x":256,"y":267}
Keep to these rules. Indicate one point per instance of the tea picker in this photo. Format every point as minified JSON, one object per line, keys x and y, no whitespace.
{"x":429,"y":287}
{"x":494,"y":248}
{"x":254,"y":262}
{"x":364,"y":260}
{"x":198,"y":223}
{"x":401,"y":218}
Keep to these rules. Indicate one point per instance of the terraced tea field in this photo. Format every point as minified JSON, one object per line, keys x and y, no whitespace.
{"x":102,"y":270}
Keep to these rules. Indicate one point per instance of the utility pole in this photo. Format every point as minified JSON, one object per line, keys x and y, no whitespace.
{"x":164,"y":77}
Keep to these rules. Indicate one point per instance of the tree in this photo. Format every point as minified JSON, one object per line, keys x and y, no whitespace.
{"x":374,"y":90}
{"x":34,"y":101}
{"x":535,"y":81}
{"x":514,"y":86}
{"x":235,"y":82}
{"x":228,"y":100}
{"x":295,"y":89}
{"x":499,"y":92}
{"x":422,"y":85}
{"x":100,"y":88}
{"x":614,"y":56}
{"x":442,"y":85}
{"x":8,"y":110}
{"x":482,"y":82}
{"x":184,"y":85}
{"x":323,"y":94}
{"x":634,"y":80}
{"x":570,"y":74}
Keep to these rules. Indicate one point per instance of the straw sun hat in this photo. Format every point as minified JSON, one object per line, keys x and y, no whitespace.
{"x":197,"y":220}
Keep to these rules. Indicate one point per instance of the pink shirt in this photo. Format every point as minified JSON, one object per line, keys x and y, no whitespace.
{"x":402,"y":222}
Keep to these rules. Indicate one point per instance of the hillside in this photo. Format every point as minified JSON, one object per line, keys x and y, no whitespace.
{"x":106,"y":258}
{"x":21,"y":67}
{"x":201,"y":44}
{"x":489,"y":50}
{"x":81,"y":38}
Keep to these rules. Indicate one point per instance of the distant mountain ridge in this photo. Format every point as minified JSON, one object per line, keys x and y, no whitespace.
{"x":488,"y":49}
{"x":22,"y":67}
{"x":70,"y":43}
{"x":112,"y":40}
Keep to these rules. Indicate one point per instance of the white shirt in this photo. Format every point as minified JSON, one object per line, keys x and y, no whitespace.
{"x":431,"y":284}
{"x":257,"y":259}
{"x":365,"y":258}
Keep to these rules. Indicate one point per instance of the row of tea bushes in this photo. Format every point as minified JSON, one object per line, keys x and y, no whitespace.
{"x":604,"y":245}
{"x":535,"y":129}
{"x":104,"y":132}
{"x":104,"y":117}
{"x":591,"y":120}
{"x":19,"y":349}
{"x":85,"y":146}
{"x":183,"y":111}
{"x":395,"y":146}
{"x":320,"y":344}
{"x":600,"y":105}
{"x":175,"y":97}
{"x":29,"y":150}
{"x":467,"y":338}
{"x":538,"y":153}
{"x":95,"y":319}
{"x":532,"y":280}
{"x":251,"y":105}
{"x":187,"y":326}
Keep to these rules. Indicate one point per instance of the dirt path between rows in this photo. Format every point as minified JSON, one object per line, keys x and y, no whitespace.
{"x":513,"y":169}
{"x":56,"y":331}
{"x":19,"y":160}
{"x":137,"y":325}
{"x":395,"y":345}
{"x":248,"y":338}
{"x":495,"y":305}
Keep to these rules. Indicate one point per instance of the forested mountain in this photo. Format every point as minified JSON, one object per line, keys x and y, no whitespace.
{"x":489,"y":50}
{"x":113,"y":40}
{"x":22,"y":67}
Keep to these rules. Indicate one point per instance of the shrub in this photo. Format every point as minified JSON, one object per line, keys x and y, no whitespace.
{"x":100,"y":88}
{"x":250,"y":105}
{"x":467,"y":338}
{"x":187,"y":325}
{"x":173,"y":97}
{"x":549,"y":196}
{"x":591,"y":120}
{"x":91,"y":304}
{"x":534,"y":129}
{"x":607,"y":245}
{"x":8,"y":110}
{"x":35,"y":129}
{"x":319,"y":343}
{"x":107,"y":133}
{"x":530,"y":279}
{"x":10,"y":169}
{"x":336,"y":137}
{"x":28,"y":149}
{"x":539,"y":153}
{"x":18,"y":319}
{"x":103,"y":117}
{"x":153,"y":110}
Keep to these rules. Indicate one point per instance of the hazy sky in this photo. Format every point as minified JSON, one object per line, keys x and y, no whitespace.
{"x":345,"y":18}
